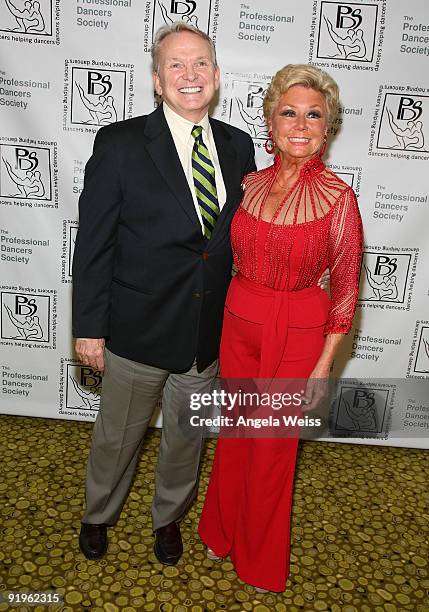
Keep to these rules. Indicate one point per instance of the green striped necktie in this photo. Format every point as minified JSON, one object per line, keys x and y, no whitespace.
{"x":203,"y":173}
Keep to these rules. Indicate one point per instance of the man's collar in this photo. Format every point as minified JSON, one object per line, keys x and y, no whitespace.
{"x":182,"y":124}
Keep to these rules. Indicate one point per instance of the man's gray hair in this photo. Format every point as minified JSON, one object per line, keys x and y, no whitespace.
{"x":176,"y":28}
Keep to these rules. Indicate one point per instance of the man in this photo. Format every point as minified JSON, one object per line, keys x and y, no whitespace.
{"x":151,"y":269}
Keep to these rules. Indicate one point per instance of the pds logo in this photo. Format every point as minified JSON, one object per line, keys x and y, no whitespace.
{"x":196,"y":13}
{"x":31,"y":17}
{"x":384,"y":277}
{"x":69,"y":240}
{"x":361,"y":411}
{"x":418,"y":366}
{"x":347,"y":34}
{"x":83,"y":386}
{"x":98,"y":96}
{"x":25,"y":172}
{"x":404,"y":123}
{"x":347,"y":31}
{"x":387,"y":277}
{"x":246,"y":107}
{"x":25,"y":317}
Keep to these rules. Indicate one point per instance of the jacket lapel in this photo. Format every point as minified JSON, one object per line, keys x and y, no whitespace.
{"x":230,"y":171}
{"x":162,"y":150}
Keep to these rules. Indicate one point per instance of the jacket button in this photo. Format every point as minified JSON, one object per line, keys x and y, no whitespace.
{"x":205,"y":256}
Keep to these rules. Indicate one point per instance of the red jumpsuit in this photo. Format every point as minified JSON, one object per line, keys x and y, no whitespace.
{"x":274,"y":326}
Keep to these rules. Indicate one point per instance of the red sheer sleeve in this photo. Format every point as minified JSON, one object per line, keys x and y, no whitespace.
{"x":344,"y":259}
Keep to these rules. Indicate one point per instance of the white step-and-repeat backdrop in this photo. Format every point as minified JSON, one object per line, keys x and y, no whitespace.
{"x":69,"y":67}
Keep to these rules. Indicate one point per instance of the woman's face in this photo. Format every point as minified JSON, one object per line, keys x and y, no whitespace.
{"x":299,"y":122}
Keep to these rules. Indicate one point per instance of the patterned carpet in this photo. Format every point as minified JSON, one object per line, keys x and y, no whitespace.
{"x":359,"y":539}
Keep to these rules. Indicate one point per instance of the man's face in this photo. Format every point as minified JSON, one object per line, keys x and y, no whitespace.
{"x":187,"y":79}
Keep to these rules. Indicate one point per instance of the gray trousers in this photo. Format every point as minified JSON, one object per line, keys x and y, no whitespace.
{"x":130,"y":394}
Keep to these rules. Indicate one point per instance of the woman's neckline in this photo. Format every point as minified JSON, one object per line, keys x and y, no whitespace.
{"x":288,"y":225}
{"x":314,"y":165}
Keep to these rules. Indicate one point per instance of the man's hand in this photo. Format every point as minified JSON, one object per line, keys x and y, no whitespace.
{"x":323,"y":281}
{"x":90,"y":351}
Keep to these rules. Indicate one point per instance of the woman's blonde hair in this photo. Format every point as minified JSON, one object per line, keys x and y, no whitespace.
{"x":307,"y":76}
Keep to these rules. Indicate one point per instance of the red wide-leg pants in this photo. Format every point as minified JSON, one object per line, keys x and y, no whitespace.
{"x":247,"y":510}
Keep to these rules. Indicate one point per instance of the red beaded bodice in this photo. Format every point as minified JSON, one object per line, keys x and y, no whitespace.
{"x":316,"y":225}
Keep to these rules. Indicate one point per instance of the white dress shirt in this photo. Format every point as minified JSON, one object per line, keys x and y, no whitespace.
{"x":181,"y":129}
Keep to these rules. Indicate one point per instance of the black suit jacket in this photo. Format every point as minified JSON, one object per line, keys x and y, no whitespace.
{"x":144,"y":277}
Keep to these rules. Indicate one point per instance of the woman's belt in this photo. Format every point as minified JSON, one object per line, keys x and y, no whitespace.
{"x":272,"y":308}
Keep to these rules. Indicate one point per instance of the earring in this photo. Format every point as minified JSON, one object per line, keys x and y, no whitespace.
{"x":323,"y":147}
{"x":270,"y":147}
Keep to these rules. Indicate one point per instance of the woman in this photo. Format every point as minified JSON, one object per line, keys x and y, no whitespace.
{"x":296,"y":218}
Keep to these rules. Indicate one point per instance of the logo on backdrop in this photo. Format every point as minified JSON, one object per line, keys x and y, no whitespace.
{"x":347,"y":177}
{"x":25,"y":317}
{"x":347,"y":31}
{"x":387,"y":278}
{"x":418,"y":365}
{"x":422,"y":358}
{"x":28,"y":174}
{"x":79,"y":389}
{"x":26,"y":19}
{"x":96,"y":95}
{"x":21,"y":173}
{"x":27,"y":16}
{"x":191,"y":12}
{"x":28,"y":319}
{"x":347,"y":34}
{"x":404,"y":123}
{"x":242,"y":106}
{"x":362,"y":411}
{"x":352,"y":175}
{"x":400,"y":125}
{"x":83,"y":387}
{"x":198,"y":13}
{"x":69,"y":240}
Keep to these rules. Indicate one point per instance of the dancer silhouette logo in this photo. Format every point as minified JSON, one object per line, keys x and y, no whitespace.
{"x":245,"y":107}
{"x":347,"y":31}
{"x":421,"y":364}
{"x":25,"y":317}
{"x":348,"y":177}
{"x":361,"y":411}
{"x":25,"y":172}
{"x":29,"y":17}
{"x":98,"y":96}
{"x":404,"y":124}
{"x":384,"y":277}
{"x":70,"y":247}
{"x":83,"y":387}
{"x":192,"y":12}
{"x":67,"y":251}
{"x":352,"y":175}
{"x":418,"y":365}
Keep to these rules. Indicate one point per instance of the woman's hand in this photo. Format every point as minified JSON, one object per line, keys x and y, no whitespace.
{"x":324,"y":280}
{"x":316,"y":390}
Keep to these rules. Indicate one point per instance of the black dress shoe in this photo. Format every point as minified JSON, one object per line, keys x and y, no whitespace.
{"x":93,"y":540}
{"x":168,"y":544}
